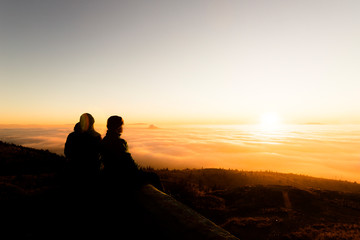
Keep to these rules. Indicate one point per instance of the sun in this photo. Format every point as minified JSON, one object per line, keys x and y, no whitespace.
{"x":270,"y":120}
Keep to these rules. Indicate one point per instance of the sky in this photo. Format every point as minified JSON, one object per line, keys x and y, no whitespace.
{"x":208,"y":62}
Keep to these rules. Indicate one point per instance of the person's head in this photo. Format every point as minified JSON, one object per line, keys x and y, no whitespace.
{"x":86,"y":122}
{"x":115,"y":124}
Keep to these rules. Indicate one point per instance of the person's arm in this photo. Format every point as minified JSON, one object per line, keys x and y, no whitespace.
{"x":68,"y":146}
{"x":132,"y":164}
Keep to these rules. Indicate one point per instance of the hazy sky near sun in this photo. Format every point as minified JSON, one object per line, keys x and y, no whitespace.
{"x":179,"y":61}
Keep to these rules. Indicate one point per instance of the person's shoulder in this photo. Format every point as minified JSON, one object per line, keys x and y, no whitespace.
{"x":72,"y":135}
{"x":123,"y":144}
{"x":94,"y":134}
{"x":113,"y":140}
{"x":97,"y":135}
{"x":123,"y":141}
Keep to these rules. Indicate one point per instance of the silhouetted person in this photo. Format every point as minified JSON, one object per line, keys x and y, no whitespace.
{"x":82,"y":149}
{"x":119,"y":166}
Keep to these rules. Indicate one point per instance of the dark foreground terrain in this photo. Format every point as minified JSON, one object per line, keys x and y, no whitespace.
{"x":268,"y":205}
{"x":38,"y":201}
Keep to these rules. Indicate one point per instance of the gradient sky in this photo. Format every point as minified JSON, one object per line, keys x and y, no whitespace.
{"x":179,"y":61}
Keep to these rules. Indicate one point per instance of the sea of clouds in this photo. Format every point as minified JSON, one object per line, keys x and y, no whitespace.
{"x":323,"y":151}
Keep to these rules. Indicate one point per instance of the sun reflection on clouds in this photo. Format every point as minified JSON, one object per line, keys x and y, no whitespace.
{"x":299,"y":149}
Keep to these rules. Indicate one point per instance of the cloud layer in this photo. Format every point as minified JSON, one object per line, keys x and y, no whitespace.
{"x":330,"y":151}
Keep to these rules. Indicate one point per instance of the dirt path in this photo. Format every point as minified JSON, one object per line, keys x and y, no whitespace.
{"x":287,"y":200}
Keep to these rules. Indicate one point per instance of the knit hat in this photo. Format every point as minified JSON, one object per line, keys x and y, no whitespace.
{"x":114,"y":122}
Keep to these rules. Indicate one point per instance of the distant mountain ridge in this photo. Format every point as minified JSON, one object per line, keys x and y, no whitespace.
{"x":223,"y":178}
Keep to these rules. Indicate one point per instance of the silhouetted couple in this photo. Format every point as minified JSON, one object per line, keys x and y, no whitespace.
{"x":85,"y":150}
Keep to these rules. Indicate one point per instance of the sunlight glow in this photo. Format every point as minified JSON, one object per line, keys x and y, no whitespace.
{"x":270,"y":121}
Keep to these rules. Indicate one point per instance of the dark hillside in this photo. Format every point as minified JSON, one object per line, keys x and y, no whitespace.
{"x":214,"y":179}
{"x":39,"y":201}
{"x":15,"y":160}
{"x":36,"y":203}
{"x":250,"y":206}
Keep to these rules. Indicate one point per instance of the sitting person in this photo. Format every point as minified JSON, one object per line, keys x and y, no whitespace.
{"x":119,"y":166}
{"x":82,"y":150}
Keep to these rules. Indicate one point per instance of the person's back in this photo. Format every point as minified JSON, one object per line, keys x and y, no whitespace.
{"x":118,"y":163}
{"x":119,"y":166}
{"x":82,"y":148}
